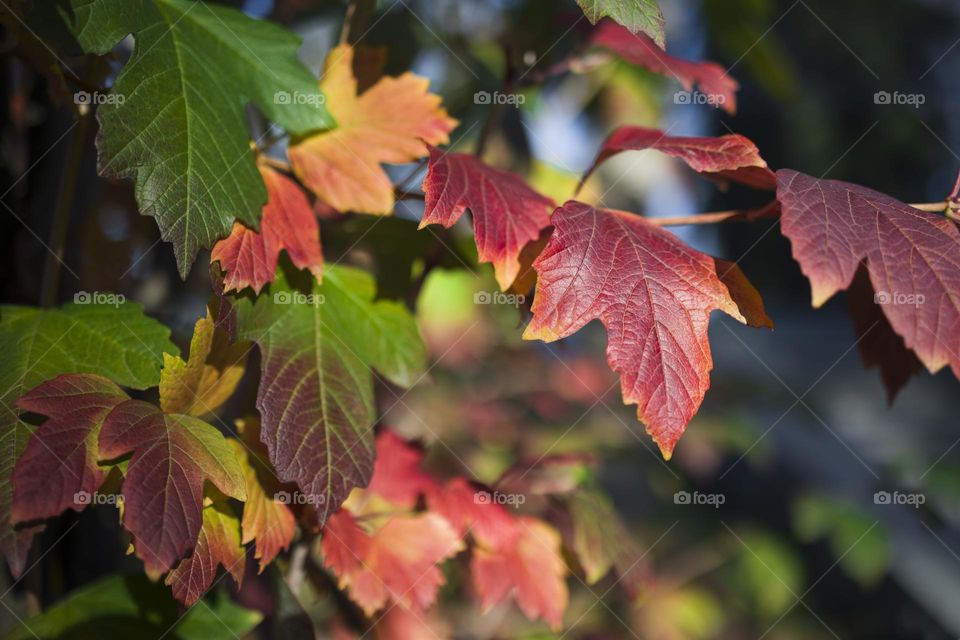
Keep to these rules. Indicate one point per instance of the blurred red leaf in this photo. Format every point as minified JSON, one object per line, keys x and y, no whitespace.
{"x":725,"y":158}
{"x":396,"y":562}
{"x":638,"y":49}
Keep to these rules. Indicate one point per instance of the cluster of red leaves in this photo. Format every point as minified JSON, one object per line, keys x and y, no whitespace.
{"x":386,"y":551}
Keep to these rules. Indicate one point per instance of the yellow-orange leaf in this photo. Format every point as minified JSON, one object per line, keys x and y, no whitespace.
{"x":390,"y":122}
{"x":267,"y":521}
{"x":199,"y":386}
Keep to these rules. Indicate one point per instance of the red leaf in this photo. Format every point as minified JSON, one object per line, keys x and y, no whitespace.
{"x":396,"y":471}
{"x":469,"y":509}
{"x":531,"y":571}
{"x":654,"y":295}
{"x":173,"y":455}
{"x":912,"y":257}
{"x":640,"y":50}
{"x":879,"y":344}
{"x":249,"y":259}
{"x":727,"y":158}
{"x":59,"y":466}
{"x":513,"y":557}
{"x":217,"y":544}
{"x":396,"y":562}
{"x":507,"y":214}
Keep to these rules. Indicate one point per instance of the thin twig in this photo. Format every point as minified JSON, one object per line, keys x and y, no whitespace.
{"x":61,"y":215}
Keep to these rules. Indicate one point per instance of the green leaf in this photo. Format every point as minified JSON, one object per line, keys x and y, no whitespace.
{"x":134,"y":607}
{"x":175,"y":122}
{"x":771,"y":572}
{"x":639,"y":16}
{"x":318,"y":346}
{"x":861,"y":546}
{"x":116,"y":341}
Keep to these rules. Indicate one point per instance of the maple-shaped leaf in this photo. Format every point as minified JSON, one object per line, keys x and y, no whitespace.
{"x":507,"y":214}
{"x":208,"y":378}
{"x":390,"y":122}
{"x":176,"y":123}
{"x":217,"y":544}
{"x":114,"y":339}
{"x":638,"y":49}
{"x":59,"y":470}
{"x":912,"y":257}
{"x":642,"y":16}
{"x":267,"y":520}
{"x":396,"y":562}
{"x":530,"y":571}
{"x":315,"y":399}
{"x":173,"y":455}
{"x":726,"y":158}
{"x":249,"y":258}
{"x":654,"y":295}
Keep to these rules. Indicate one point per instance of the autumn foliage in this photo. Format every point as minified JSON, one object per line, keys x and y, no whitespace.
{"x":118,"y":412}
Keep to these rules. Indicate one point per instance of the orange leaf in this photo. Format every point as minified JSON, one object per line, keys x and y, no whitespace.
{"x":531,"y":571}
{"x":397,"y":562}
{"x":390,"y":122}
{"x":266,"y":520}
{"x":249,"y":259}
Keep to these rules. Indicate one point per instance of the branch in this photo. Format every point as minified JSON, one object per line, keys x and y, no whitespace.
{"x":355,"y":21}
{"x":61,"y":215}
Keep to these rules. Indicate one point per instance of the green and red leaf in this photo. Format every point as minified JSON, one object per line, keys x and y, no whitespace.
{"x":59,"y":465}
{"x":172,"y":457}
{"x":318,"y":352}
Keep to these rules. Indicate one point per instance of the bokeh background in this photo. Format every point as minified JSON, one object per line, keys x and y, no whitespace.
{"x":795,"y":435}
